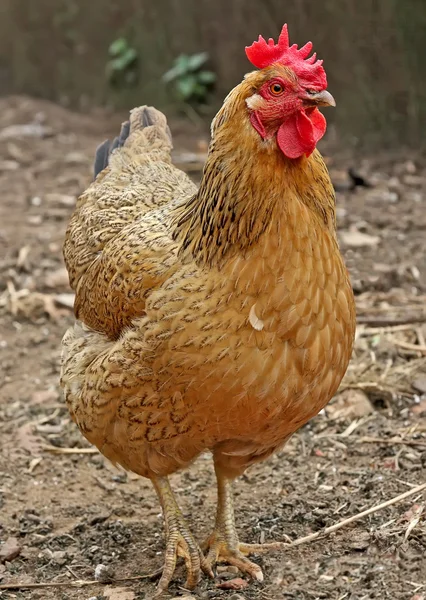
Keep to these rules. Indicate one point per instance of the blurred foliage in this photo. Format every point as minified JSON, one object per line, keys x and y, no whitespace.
{"x":372,"y":50}
{"x":192,"y":83}
{"x":121,"y":69}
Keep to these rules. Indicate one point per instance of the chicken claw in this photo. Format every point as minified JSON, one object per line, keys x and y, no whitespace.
{"x":179,"y":541}
{"x":223,"y":544}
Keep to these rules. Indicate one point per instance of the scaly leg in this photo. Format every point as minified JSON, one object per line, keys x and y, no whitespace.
{"x":179,"y":540}
{"x":223,"y":544}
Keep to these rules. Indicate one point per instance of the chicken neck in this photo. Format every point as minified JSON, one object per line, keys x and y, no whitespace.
{"x":247,"y":185}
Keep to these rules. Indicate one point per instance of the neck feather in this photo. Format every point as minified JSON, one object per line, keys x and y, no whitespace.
{"x":244,"y":188}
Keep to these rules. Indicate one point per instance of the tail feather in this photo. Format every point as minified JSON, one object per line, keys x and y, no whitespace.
{"x":143,"y":117}
{"x":101,"y":158}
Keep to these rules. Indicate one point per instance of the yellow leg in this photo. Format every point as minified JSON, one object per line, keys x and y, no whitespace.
{"x":223,"y":544}
{"x":179,"y":540}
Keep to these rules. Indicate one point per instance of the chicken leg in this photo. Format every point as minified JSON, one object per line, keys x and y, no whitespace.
{"x":179,"y":540}
{"x":223,"y":544}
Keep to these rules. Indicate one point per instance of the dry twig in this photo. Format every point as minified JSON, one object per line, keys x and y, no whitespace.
{"x":373,"y":440}
{"x":75,"y":584}
{"x":361,"y":515}
{"x":55,"y":450}
{"x":408,"y":346}
{"x":374,"y":321}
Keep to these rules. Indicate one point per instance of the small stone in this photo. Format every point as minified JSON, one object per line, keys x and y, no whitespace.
{"x":410,"y":167}
{"x":350,"y":404}
{"x":221,"y":568}
{"x":359,"y":540}
{"x":119,"y":593}
{"x":413,"y":180}
{"x":61,"y":200}
{"x":58,"y":278}
{"x":358,"y":239}
{"x":103,"y":574}
{"x":65,"y":300}
{"x":236,"y":597}
{"x":9,"y":550}
{"x":59,"y":557}
{"x":232,"y":569}
{"x":419,"y":384}
{"x":76,"y":158}
{"x":35,"y":219}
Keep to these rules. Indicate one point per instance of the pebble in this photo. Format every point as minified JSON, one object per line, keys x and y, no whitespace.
{"x":35,"y":219}
{"x":65,"y":300}
{"x":358,"y":239}
{"x":59,"y":557}
{"x":419,"y":384}
{"x":9,"y":550}
{"x":35,"y":201}
{"x":62,"y":200}
{"x":359,"y":540}
{"x":103,"y":574}
{"x":57,"y":278}
{"x":227,"y":569}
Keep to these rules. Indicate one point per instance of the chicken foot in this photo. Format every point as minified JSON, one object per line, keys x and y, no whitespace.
{"x":223,"y":545}
{"x":179,"y":540}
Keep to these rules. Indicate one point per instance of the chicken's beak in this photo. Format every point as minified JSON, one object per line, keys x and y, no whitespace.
{"x":323,"y":98}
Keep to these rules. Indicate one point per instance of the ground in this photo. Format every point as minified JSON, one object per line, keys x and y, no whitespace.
{"x":71,"y":511}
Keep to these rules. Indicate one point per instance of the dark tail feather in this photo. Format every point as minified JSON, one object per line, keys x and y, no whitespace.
{"x":104,"y":150}
{"x":140,"y":118}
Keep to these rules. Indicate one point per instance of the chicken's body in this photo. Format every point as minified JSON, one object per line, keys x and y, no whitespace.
{"x":220,"y":319}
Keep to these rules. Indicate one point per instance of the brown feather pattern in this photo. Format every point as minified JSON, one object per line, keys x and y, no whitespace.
{"x":168,"y":358}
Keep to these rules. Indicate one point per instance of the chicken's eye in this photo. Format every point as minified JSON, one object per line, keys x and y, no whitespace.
{"x":276,"y":89}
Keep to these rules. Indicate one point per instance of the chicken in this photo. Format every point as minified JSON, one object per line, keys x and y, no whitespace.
{"x":220,"y":318}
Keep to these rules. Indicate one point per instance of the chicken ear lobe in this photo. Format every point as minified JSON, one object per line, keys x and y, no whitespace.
{"x":257,"y":124}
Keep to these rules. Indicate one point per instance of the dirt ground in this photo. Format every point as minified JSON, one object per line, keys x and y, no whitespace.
{"x":70,"y":512}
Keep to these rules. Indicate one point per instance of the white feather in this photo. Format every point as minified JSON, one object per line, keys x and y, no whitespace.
{"x":254,"y":320}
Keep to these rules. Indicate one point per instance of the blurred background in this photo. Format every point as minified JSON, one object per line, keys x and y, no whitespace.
{"x":103,"y":52}
{"x":69,"y":72}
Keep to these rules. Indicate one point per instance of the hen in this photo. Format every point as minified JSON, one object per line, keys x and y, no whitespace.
{"x":216,"y":319}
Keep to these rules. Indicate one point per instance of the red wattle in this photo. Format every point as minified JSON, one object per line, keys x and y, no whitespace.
{"x":319,"y":124}
{"x":300,"y":133}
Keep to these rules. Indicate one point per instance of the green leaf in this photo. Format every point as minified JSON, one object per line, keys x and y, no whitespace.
{"x":195,"y":61}
{"x":172,"y":74}
{"x":119,"y":64}
{"x":375,"y":340}
{"x":183,"y":62}
{"x":186,"y":86}
{"x":206,"y":77}
{"x":118,"y":46}
{"x":130,"y":56}
{"x":179,"y":68}
{"x":200,"y":91}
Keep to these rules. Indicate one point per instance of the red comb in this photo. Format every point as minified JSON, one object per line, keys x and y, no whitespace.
{"x":263,"y":53}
